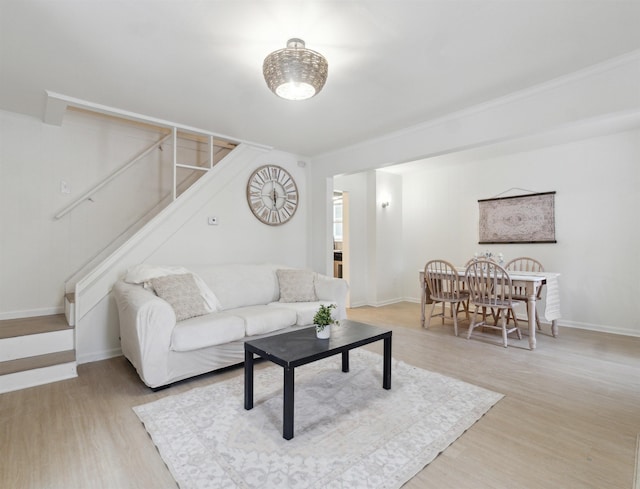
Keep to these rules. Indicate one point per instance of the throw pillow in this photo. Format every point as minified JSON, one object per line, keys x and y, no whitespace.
{"x":297,"y":286}
{"x":182,"y":292}
{"x":144,"y":273}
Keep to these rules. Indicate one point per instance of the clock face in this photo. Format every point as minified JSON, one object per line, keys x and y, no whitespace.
{"x":272,"y":195}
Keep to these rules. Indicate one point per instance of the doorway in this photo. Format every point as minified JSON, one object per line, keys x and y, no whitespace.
{"x":341,"y":236}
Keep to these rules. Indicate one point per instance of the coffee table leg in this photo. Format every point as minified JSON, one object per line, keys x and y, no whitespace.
{"x":248,"y":380}
{"x":345,"y":361}
{"x":287,"y":415}
{"x":386,"y":371}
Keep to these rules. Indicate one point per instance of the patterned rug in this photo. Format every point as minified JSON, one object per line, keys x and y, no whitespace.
{"x":349,"y":431}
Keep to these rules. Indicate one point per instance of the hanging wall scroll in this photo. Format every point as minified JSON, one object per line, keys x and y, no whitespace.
{"x":518,"y":219}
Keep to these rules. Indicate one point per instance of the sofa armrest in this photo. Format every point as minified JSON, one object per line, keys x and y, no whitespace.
{"x":146,"y":326}
{"x":334,"y":290}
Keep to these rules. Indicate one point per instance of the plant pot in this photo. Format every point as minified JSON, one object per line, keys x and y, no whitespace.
{"x":325,"y":333}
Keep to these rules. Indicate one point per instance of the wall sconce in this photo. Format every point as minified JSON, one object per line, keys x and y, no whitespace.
{"x":386,"y":204}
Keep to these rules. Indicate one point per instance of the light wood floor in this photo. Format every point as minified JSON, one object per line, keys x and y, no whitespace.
{"x":569,"y":419}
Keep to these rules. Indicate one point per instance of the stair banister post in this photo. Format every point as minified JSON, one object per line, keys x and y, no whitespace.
{"x":210,"y":151}
{"x":175,"y":162}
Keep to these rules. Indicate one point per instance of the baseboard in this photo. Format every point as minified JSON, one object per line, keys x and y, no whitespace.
{"x":44,"y":311}
{"x":599,"y":328}
{"x":388,"y":302}
{"x":376,"y":304}
{"x":98,"y":355}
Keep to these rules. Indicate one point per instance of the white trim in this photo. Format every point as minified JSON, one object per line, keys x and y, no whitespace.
{"x":70,"y":311}
{"x":387,"y":302}
{"x":28,"y":313}
{"x":37,"y":376}
{"x":96,"y":356}
{"x":193,"y":167}
{"x":125,"y":114}
{"x":89,"y":193}
{"x":174,"y":175}
{"x":96,"y":284}
{"x":36,"y":344}
{"x":376,"y":304}
{"x":497,"y":102}
{"x":599,"y":328}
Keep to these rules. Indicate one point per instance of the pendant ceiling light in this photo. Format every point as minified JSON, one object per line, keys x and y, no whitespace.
{"x":295,"y":72}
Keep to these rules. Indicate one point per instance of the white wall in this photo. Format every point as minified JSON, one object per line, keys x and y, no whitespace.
{"x":37,"y":252}
{"x":240,"y":237}
{"x":595,"y":102}
{"x":597,"y":222}
{"x":601,"y":96}
{"x":237,"y":238}
{"x":389,"y":232}
{"x":375,"y":261}
{"x":358,"y":250}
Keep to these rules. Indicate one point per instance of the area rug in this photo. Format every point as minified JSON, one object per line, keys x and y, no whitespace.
{"x":349,"y":431}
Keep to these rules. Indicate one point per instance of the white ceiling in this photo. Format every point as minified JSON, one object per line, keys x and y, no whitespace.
{"x":392,"y":64}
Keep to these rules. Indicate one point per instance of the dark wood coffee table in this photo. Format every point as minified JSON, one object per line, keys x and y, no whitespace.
{"x":290,"y":350}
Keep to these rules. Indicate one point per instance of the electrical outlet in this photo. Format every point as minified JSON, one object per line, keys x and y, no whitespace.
{"x":65,"y":188}
{"x":212,"y":221}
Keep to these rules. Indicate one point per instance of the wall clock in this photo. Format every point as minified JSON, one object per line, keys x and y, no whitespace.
{"x":272,"y":195}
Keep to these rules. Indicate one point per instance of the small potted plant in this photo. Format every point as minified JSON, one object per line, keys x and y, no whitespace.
{"x":323,"y":321}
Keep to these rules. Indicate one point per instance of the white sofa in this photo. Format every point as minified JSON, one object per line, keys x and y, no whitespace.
{"x":240,"y":302}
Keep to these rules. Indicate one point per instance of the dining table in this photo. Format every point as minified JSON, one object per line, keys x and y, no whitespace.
{"x":531,"y":282}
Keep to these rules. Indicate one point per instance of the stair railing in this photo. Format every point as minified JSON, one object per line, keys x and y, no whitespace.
{"x":89,"y":193}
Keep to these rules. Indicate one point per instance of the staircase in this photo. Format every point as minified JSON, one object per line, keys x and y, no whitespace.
{"x":35,"y":351}
{"x":193,"y":155}
{"x":39,"y":350}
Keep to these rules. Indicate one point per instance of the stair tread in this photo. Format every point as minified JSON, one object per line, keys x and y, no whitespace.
{"x":11,"y":328}
{"x":38,"y":361}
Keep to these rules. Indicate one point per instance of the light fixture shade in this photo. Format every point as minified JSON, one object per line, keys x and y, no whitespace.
{"x":295,"y":72}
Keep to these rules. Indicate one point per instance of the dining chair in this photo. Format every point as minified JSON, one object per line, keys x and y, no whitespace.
{"x":464,"y":287}
{"x":525,"y":264}
{"x":445,"y":287}
{"x":490,"y":287}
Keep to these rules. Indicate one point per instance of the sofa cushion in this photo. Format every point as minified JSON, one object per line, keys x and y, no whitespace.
{"x":297,"y":286}
{"x":240,"y":285}
{"x":264,"y":319}
{"x":304,"y":310}
{"x":182,"y":293}
{"x":209,"y":330}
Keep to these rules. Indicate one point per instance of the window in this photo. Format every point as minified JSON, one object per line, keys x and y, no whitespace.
{"x":337,"y":216}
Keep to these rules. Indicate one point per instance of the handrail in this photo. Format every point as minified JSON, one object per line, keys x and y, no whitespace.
{"x":87,"y":195}
{"x":96,"y":284}
{"x":164,"y":201}
{"x":174,"y":135}
{"x":130,"y":229}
